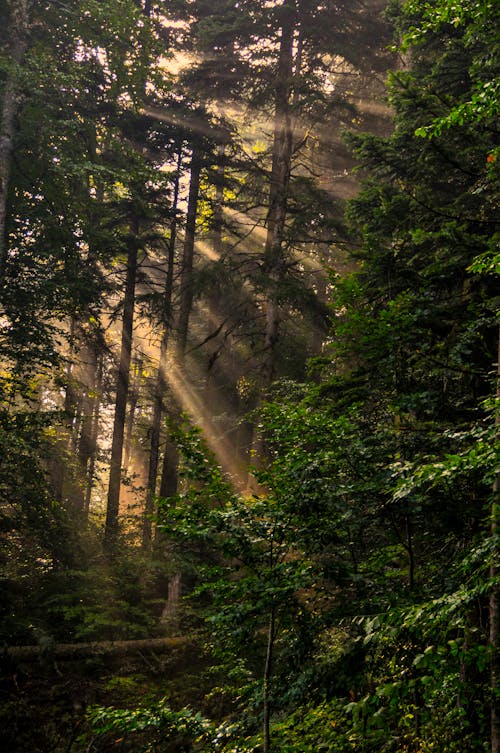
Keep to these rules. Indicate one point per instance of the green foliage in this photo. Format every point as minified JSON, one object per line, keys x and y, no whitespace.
{"x":251,"y":568}
{"x":350,"y":596}
{"x":311,"y":729}
{"x":478,"y":22}
{"x":35,"y":530}
{"x":103,"y":603}
{"x":314,"y":728}
{"x":82,"y":88}
{"x":152,"y":729}
{"x":426,"y":693}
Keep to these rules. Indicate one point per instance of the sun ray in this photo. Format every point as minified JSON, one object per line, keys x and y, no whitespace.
{"x":224,"y":450}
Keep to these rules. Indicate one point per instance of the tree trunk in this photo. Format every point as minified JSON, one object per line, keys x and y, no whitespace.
{"x":90,"y":387}
{"x":65,"y":438}
{"x":132,"y":407}
{"x":94,"y":434}
{"x":494,"y":606}
{"x":410,"y":551}
{"x":94,"y":348}
{"x":267,"y":682}
{"x":173,"y":598}
{"x":218,"y":212}
{"x":168,"y":488}
{"x":113,"y":502}
{"x":161,"y":380}
{"x":18,"y":34}
{"x":168,"y":485}
{"x":76,"y":651}
{"x":169,"y":477}
{"x":274,"y":263}
{"x":186,"y":292}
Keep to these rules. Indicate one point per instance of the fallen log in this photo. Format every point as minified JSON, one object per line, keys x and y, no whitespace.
{"x":75,"y":651}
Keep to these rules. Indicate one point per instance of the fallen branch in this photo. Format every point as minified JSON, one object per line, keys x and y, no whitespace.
{"x":75,"y":651}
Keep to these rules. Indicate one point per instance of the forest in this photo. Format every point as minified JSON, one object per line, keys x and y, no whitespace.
{"x":249,"y":376}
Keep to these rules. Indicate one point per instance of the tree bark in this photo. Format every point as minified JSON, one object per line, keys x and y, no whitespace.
{"x":161,"y":380}
{"x":218,"y":212}
{"x":94,"y":434}
{"x":279,"y":188}
{"x":169,"y":478}
{"x":18,"y":33}
{"x":132,"y":408}
{"x":186,"y":292}
{"x":113,"y":501}
{"x":76,"y":651}
{"x":168,"y":486}
{"x":90,"y":378}
{"x":274,"y":262}
{"x":66,"y":437}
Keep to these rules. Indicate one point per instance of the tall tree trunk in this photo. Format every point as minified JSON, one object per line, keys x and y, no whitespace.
{"x":186,"y":292}
{"x":219,"y":200}
{"x":94,"y":434}
{"x":169,"y":477}
{"x":274,"y":263}
{"x":320,"y":330}
{"x":87,"y":443}
{"x":168,"y":485}
{"x":113,"y":502}
{"x":132,"y":408}
{"x":168,"y":488}
{"x":89,"y":366}
{"x":161,"y":380}
{"x":66,"y":432}
{"x":122,"y":391}
{"x":18,"y":34}
{"x":94,"y":347}
{"x":494,"y":607}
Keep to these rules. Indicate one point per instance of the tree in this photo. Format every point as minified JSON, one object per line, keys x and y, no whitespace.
{"x":257,"y":590}
{"x":430,"y":324}
{"x":186,"y":282}
{"x":284,"y":80}
{"x":115,"y":469}
{"x":139,"y":195}
{"x":476,"y":21}
{"x":161,"y":383}
{"x":18,"y":25}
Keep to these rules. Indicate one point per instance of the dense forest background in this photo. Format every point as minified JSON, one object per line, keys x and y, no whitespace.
{"x":249,"y":382}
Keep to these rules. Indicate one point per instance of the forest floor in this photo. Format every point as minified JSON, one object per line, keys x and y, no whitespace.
{"x":43,"y":706}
